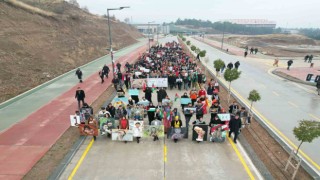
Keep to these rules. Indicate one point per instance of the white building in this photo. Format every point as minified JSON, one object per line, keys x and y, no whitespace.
{"x":152,"y":28}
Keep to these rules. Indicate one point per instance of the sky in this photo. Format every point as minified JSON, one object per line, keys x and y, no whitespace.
{"x":286,"y":13}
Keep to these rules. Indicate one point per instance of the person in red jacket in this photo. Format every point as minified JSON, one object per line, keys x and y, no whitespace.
{"x":202,"y":92}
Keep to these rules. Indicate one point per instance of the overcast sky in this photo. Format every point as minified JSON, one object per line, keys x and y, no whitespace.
{"x":287,"y":13}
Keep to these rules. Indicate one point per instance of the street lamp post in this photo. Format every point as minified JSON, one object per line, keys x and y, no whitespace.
{"x":110,"y":38}
{"x":149,"y":33}
{"x":224,"y":24}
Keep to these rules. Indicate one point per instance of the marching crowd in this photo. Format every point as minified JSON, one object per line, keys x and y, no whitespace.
{"x":168,"y":61}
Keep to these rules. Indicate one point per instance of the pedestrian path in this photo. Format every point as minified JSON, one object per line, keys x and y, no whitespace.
{"x":161,"y":159}
{"x":36,"y":120}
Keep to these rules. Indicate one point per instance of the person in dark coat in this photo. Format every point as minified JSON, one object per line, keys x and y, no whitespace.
{"x":230,"y":65}
{"x":306,"y":58}
{"x":151,"y":114}
{"x":237,"y":64}
{"x":80,"y":95}
{"x":106,"y":71}
{"x":161,"y":94}
{"x":289,"y":64}
{"x":310,"y":58}
{"x":79,"y":74}
{"x":233,"y":108}
{"x":245,"y":53}
{"x":111,"y":109}
{"x":318,"y":86}
{"x":118,"y":66}
{"x":148,"y":94}
{"x":234,"y":126}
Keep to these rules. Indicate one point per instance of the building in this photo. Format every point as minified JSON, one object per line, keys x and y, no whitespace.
{"x":152,"y":28}
{"x":253,"y":22}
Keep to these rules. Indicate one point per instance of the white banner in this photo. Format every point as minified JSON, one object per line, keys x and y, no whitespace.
{"x":224,"y":117}
{"x":157,"y":82}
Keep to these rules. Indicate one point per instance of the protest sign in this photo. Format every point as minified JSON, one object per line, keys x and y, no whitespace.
{"x":185,"y":101}
{"x":74,"y":120}
{"x":224,"y":117}
{"x":88,"y":130}
{"x":133,"y":92}
{"x":157,"y":82}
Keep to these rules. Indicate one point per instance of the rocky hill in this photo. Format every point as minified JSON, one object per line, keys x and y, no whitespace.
{"x":38,"y":44}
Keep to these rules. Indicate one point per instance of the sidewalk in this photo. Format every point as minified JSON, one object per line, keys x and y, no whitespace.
{"x":32,"y":134}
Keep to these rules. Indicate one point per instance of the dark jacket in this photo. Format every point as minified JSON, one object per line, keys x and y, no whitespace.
{"x":161,"y":95}
{"x":210,"y":90}
{"x":111,"y":110}
{"x":79,"y":73}
{"x":235,"y":124}
{"x":80,"y":95}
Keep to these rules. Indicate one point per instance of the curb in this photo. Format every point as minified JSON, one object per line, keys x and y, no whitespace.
{"x":291,"y":78}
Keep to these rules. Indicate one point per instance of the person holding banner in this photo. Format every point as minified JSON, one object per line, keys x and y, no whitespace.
{"x":93,"y":124}
{"x":151,"y":112}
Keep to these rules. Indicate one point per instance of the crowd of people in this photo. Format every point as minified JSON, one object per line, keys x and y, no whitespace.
{"x":200,"y":97}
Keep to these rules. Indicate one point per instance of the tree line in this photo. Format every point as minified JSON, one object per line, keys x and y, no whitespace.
{"x":227,"y":27}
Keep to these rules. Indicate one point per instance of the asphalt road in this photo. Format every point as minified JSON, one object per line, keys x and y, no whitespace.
{"x":283,"y":103}
{"x":162,"y":159}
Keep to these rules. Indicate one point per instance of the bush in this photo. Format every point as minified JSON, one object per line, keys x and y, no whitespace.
{"x":218,"y":64}
{"x":188,"y":43}
{"x":197,"y":50}
{"x":193,"y":48}
{"x":183,"y":39}
{"x":202,"y":53}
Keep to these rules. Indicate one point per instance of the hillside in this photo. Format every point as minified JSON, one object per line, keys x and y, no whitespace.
{"x":35,"y":47}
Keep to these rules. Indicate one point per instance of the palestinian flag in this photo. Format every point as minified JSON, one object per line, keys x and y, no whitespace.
{"x":176,"y":97}
{"x":153,"y":87}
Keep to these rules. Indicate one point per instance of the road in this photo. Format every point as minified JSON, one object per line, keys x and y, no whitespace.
{"x":283,"y":103}
{"x":164,"y":159}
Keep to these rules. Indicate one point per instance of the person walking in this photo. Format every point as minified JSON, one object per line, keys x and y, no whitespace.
{"x":310,"y":58}
{"x":306,"y":58}
{"x":234,"y":126}
{"x":118,"y":67}
{"x":237,"y":64}
{"x":80,"y":95}
{"x":276,"y":61}
{"x":79,"y":74}
{"x":245,"y":54}
{"x":230,"y":65}
{"x":318,"y":86}
{"x":198,"y":56}
{"x":105,"y":71}
{"x":289,"y":64}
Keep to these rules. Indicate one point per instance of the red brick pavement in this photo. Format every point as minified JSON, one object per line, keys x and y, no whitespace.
{"x":23,"y":144}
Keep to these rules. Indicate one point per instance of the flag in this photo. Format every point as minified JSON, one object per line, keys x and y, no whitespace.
{"x":144,"y":87}
{"x":153,"y":87}
{"x":176,"y":97}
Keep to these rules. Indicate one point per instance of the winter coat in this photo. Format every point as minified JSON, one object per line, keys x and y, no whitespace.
{"x":80,"y":95}
{"x":235,"y":124}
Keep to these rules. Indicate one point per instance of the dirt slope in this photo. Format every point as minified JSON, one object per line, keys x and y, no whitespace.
{"x":35,"y":48}
{"x":281,"y":45}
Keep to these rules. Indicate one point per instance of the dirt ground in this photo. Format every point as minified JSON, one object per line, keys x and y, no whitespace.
{"x":264,"y":145}
{"x":35,"y":48}
{"x":47,"y":164}
{"x":280,"y":45}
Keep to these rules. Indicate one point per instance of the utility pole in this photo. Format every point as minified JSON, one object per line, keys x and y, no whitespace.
{"x":224,"y":24}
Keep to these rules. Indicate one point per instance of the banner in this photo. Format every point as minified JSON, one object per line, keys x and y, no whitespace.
{"x":138,"y":83}
{"x":133,"y":92}
{"x":185,"y":101}
{"x":88,"y":130}
{"x":74,"y":120}
{"x":122,"y":135}
{"x":157,"y":82}
{"x":224,"y":117}
{"x":153,"y":130}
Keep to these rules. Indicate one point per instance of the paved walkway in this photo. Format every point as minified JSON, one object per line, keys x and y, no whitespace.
{"x":301,"y":72}
{"x":36,"y":120}
{"x":185,"y":159}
